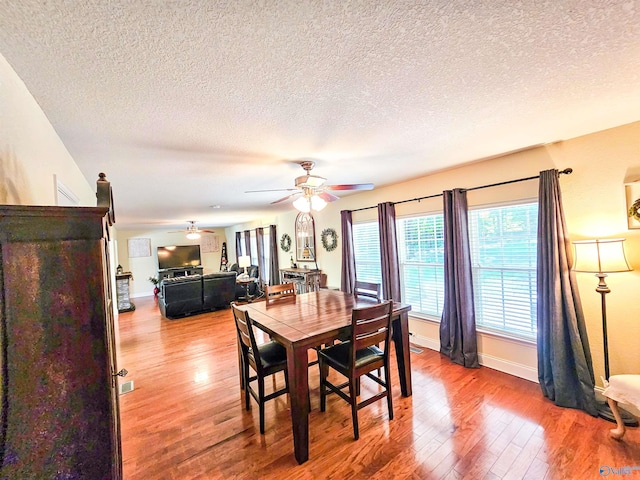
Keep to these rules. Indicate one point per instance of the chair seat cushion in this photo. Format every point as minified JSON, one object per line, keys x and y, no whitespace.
{"x":338,"y":355}
{"x":272,"y":354}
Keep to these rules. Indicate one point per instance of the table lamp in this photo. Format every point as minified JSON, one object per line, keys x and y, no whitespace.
{"x":243,"y":262}
{"x":602,"y":256}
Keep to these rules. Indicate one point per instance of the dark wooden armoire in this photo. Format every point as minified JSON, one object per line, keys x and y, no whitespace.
{"x":60,"y":414}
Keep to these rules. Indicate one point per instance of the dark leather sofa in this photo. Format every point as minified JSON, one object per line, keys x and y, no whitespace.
{"x":182,"y":296}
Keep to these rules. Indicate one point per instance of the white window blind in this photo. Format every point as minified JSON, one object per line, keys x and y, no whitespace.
{"x":421,"y":258}
{"x":366,"y":245}
{"x":503,"y":253}
{"x":267,"y":254}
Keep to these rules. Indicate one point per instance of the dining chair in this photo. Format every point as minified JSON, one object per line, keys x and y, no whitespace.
{"x":265,"y":359}
{"x":367,"y":289}
{"x":360,"y":355}
{"x":274,"y":293}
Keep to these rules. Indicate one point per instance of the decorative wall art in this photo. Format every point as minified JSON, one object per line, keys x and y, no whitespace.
{"x":305,"y":238}
{"x":329,"y":239}
{"x":139,"y":247}
{"x":285,"y":242}
{"x":210,"y":243}
{"x":632,"y":193}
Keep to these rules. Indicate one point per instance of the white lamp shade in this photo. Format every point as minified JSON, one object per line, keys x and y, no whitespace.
{"x":600,"y":256}
{"x":302,"y":204}
{"x":317,"y":203}
{"x":244,"y":261}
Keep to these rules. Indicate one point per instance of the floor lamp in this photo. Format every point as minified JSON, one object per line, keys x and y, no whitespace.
{"x":602,"y":256}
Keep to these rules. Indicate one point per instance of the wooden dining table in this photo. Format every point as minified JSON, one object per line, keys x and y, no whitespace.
{"x":312,"y":319}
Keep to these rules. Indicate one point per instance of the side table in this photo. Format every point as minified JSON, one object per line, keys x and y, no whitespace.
{"x":122,"y":292}
{"x":246,"y":283}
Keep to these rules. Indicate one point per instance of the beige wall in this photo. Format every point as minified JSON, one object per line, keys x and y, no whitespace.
{"x":31,"y":152}
{"x":594,"y":202}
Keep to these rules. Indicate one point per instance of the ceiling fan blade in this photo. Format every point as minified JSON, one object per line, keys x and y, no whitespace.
{"x":328,"y":197}
{"x":207,"y":231}
{"x":286,"y":198}
{"x":276,"y":190}
{"x":352,"y":186}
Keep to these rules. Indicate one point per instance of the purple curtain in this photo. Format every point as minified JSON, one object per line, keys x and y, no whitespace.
{"x":238,"y":246}
{"x":274,"y":264}
{"x":348,"y":276}
{"x":458,"y":326}
{"x":565,"y":370}
{"x":260,"y":247}
{"x":389,"y":252}
{"x":247,"y":242}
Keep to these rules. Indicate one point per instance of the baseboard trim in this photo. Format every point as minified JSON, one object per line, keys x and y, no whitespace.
{"x":505,"y":366}
{"x":138,"y":295}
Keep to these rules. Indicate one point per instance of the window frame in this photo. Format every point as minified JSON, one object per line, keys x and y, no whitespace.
{"x":481,"y":327}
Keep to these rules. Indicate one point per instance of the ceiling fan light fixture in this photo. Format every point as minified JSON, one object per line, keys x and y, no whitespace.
{"x":193,"y":235}
{"x":302,"y":204}
{"x":317,"y":203}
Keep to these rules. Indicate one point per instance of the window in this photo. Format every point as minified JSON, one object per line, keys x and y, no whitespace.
{"x":253,"y":247}
{"x":421,"y":258}
{"x":504,"y":256}
{"x":267,"y":254}
{"x":366,"y":246}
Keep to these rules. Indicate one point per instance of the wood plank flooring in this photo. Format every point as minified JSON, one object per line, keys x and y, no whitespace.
{"x":185,"y":418}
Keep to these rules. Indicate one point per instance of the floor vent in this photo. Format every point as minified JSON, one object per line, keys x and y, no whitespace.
{"x":126,"y":387}
{"x":415,"y":349}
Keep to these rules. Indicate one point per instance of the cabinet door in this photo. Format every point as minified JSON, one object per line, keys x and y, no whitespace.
{"x":59,"y":411}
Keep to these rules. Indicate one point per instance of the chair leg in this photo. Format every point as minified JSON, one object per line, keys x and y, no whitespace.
{"x":247,"y":394}
{"x":324,"y":372}
{"x":353,"y":384}
{"x":261,"y":402}
{"x":387,"y":380}
{"x":618,"y":432}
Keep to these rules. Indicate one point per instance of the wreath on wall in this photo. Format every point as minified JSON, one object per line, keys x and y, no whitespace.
{"x":285,"y":242}
{"x":329,"y":239}
{"x":634,"y":210}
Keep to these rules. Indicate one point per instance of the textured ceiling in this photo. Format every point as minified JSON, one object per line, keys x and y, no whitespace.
{"x":187,"y":104}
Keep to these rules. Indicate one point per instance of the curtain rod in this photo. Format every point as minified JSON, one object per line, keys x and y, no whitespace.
{"x":566,"y":171}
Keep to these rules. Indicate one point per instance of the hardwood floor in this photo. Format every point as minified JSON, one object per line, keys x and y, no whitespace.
{"x":185,"y":418}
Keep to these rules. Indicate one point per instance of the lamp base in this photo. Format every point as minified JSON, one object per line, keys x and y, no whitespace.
{"x":604,"y":411}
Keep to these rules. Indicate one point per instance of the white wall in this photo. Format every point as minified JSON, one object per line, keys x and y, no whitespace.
{"x":31,"y":152}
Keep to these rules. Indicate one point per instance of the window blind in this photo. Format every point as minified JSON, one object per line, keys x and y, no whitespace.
{"x":504,"y":255}
{"x":366,"y":246}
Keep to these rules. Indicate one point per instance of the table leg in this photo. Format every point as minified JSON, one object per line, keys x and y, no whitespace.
{"x":298,"y":371}
{"x":401,"y":340}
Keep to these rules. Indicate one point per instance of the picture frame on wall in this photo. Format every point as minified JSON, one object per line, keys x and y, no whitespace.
{"x":632,"y":194}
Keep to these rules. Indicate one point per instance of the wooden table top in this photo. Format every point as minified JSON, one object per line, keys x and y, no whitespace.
{"x":309,"y":315}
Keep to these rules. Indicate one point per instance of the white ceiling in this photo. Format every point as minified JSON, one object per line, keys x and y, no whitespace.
{"x":187,"y":104}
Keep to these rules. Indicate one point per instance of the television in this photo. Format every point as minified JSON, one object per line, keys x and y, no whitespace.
{"x":178,"y":256}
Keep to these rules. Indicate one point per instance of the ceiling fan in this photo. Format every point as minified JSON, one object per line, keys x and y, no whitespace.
{"x":312,"y":192}
{"x":193,"y":232}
